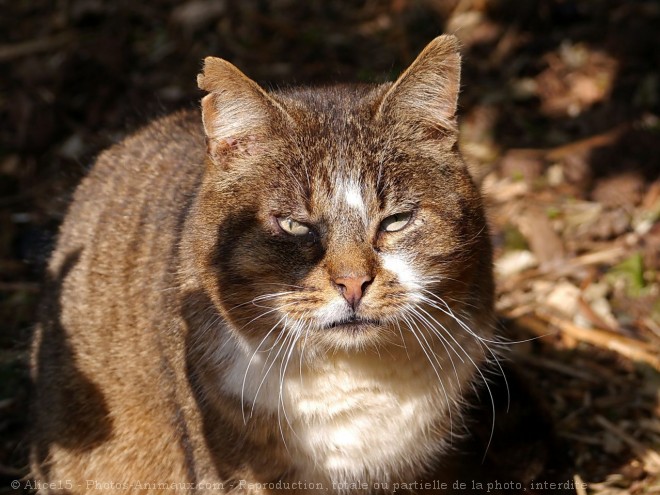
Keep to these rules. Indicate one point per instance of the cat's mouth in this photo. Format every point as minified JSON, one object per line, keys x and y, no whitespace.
{"x":354,"y":324}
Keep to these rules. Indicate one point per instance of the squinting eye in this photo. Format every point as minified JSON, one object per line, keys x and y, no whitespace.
{"x":292,"y":227}
{"x":396,"y":222}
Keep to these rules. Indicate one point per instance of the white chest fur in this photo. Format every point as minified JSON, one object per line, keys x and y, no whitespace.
{"x":352,"y":418}
{"x":364,"y":419}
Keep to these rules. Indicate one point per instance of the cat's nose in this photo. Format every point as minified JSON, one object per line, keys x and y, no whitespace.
{"x":353,"y":288}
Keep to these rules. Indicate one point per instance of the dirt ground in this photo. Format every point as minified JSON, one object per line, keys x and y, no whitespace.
{"x":560,"y":120}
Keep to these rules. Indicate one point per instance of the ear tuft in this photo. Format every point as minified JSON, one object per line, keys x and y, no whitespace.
{"x":217,"y":72}
{"x":427,"y":91}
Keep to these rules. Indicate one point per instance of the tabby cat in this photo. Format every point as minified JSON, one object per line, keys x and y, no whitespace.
{"x":292,"y":294}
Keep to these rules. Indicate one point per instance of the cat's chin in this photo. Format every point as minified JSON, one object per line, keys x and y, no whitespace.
{"x":354,"y":335}
{"x":354,"y":325}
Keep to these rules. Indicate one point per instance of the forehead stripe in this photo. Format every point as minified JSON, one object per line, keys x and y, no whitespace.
{"x":353,"y":196}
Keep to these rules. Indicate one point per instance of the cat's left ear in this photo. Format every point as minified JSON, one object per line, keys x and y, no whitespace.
{"x":238,"y":115}
{"x":427,"y":92}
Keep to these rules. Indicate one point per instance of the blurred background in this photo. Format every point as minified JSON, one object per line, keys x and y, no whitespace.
{"x":560,"y":124}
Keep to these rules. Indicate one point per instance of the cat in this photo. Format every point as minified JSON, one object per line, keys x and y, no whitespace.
{"x":292,"y":293}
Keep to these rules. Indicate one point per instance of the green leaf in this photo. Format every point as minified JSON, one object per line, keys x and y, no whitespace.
{"x":632,"y":269}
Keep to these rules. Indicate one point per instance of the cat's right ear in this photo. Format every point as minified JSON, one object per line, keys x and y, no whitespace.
{"x":427,"y":92}
{"x":237,"y":113}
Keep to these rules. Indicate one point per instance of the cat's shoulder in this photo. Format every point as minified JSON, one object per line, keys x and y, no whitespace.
{"x":179,"y":131}
{"x":171,"y":145}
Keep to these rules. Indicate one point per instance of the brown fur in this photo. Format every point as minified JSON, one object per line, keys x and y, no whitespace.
{"x":173,"y":234}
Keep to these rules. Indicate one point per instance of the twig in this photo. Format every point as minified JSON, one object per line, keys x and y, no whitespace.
{"x":542,"y":238}
{"x":9,"y":52}
{"x":12,"y":471}
{"x":6,"y":403}
{"x":533,"y":323}
{"x":519,"y":311}
{"x":652,"y":325}
{"x":559,"y":367}
{"x":587,"y":144}
{"x":650,"y":458}
{"x":581,"y":438}
{"x":579,"y":485}
{"x":19,"y":286}
{"x":608,"y":256}
{"x":650,"y":425}
{"x":593,"y":317}
{"x":632,"y":349}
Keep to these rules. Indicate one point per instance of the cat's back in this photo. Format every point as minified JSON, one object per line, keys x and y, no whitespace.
{"x":115,"y":257}
{"x":136,"y":184}
{"x":119,"y":239}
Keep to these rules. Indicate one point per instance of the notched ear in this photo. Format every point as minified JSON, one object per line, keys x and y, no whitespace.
{"x":427,"y":92}
{"x":237,"y":113}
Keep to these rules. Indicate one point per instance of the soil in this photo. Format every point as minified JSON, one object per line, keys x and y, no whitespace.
{"x":560,"y":120}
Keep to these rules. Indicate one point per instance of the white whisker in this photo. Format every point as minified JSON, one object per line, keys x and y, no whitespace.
{"x":295,"y":336}
{"x":480,"y":340}
{"x":279,"y":337}
{"x":443,"y":341}
{"x":411,"y":323}
{"x":247,"y":369}
{"x":262,"y":297}
{"x":302,"y":351}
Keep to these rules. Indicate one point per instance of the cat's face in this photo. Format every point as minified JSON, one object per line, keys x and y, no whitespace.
{"x":342,"y":214}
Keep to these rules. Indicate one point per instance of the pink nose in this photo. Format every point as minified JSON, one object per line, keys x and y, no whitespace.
{"x":353,"y":288}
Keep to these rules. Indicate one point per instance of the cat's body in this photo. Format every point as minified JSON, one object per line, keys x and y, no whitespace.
{"x":305,"y":298}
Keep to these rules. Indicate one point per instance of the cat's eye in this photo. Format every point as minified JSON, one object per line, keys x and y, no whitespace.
{"x":394,"y":223}
{"x":290,"y":226}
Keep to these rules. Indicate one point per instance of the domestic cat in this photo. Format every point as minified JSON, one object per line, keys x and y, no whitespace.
{"x":292,"y":292}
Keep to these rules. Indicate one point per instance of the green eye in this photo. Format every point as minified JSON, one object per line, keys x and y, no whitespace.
{"x":396,"y":222}
{"x":292,"y":227}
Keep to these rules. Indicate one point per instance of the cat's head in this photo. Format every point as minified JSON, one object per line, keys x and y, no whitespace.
{"x":342,"y":216}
